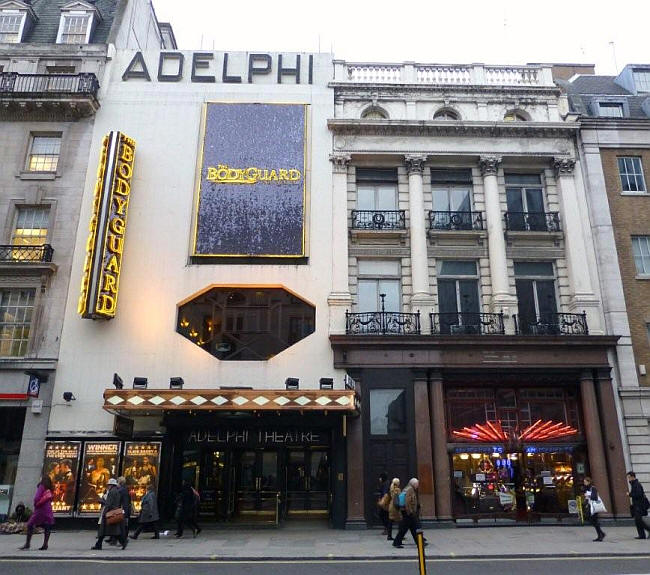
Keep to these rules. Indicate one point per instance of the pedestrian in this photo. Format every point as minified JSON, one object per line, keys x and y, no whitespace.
{"x":410,"y":520}
{"x":111,"y":503}
{"x":394,"y":515}
{"x":638,"y":504}
{"x":42,"y":515}
{"x":186,"y":510}
{"x":148,"y":514}
{"x":383,"y":500}
{"x":125,"y":502}
{"x":591,"y":496}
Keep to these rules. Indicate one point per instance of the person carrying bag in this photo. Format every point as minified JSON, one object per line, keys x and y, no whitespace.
{"x":594,"y":505}
{"x":112,"y":517}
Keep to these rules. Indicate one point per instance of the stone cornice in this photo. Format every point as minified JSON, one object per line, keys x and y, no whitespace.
{"x":360,"y":127}
{"x":342,"y":88}
{"x":615,"y":123}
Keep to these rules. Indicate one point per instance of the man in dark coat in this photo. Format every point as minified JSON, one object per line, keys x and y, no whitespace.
{"x":638,"y":504}
{"x":148,"y":513}
{"x":186,"y":510}
{"x":111,"y":501}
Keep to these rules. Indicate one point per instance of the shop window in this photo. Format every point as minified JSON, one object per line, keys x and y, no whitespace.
{"x":377,"y":277}
{"x":16,"y":313}
{"x":44,"y":153}
{"x":12,"y":420}
{"x":245,"y":323}
{"x":387,"y":411}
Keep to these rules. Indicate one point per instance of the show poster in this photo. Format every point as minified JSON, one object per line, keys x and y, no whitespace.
{"x":101,"y":461}
{"x":141,"y":468}
{"x":61,"y":464}
{"x":252,"y":184}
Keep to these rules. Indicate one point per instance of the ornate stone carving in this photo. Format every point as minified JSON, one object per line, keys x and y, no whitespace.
{"x":564,"y":166}
{"x":340,"y":163}
{"x":489,"y":165}
{"x":415,"y":163}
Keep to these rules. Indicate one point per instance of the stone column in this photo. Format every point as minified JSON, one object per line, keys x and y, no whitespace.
{"x":613,"y":445}
{"x":356,"y":509}
{"x":339,"y":298}
{"x":442,"y":470}
{"x":593,"y":433}
{"x":424,"y":455}
{"x":501,"y":298}
{"x":583,"y":297}
{"x":421,"y":297}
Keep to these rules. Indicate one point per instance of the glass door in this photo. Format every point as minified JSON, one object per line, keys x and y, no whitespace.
{"x":308,"y":488}
{"x":212,"y":485}
{"x":257,"y":482}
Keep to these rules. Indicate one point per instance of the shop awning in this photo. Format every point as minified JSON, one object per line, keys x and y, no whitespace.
{"x":155,"y":401}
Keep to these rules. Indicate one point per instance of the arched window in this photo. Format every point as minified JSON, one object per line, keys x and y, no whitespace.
{"x":374,"y":113}
{"x":516,"y":116}
{"x":446,"y":114}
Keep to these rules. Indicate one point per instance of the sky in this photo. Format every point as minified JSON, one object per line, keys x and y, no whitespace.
{"x":608,"y":34}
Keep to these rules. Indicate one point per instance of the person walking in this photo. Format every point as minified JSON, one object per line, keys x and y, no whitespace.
{"x":638,"y":504}
{"x":394,"y":514}
{"x":410,"y":513}
{"x":186,"y":510}
{"x":125,"y":503}
{"x":42,"y":515}
{"x":591,"y":494}
{"x":111,"y":503}
{"x":148,"y":514}
{"x":383,"y":501}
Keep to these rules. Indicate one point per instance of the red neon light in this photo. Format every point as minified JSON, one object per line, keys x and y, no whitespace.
{"x":14,"y":396}
{"x":538,"y":431}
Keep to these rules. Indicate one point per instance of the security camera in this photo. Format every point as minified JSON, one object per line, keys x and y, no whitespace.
{"x":68,"y":396}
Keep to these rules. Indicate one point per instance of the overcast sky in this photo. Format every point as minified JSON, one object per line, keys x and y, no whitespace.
{"x":433,"y":31}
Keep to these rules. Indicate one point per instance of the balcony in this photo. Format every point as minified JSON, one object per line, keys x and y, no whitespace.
{"x":67,"y":95}
{"x":553,"y":324}
{"x":382,"y":323}
{"x":378,"y":220}
{"x":532,"y":222}
{"x":467,"y":324}
{"x":22,"y":254}
{"x":455,"y":221}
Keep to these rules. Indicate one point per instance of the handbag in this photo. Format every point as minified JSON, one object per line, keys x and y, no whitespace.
{"x":597,"y":506}
{"x":114,"y":516}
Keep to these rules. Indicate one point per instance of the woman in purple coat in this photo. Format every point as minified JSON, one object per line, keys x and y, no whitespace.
{"x":42,"y":516}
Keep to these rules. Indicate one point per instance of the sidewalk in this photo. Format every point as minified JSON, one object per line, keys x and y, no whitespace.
{"x":302,"y":542}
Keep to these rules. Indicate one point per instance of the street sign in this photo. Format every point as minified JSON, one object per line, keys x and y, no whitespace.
{"x":34,"y":386}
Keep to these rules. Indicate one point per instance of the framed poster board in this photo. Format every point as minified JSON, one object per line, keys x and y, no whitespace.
{"x":61,"y":463}
{"x":101,"y":461}
{"x":141,"y":468}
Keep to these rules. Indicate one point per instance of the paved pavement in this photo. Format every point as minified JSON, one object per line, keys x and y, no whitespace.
{"x":302,"y":541}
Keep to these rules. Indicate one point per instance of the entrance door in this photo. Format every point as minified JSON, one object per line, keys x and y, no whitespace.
{"x":308,"y":474}
{"x":257,"y":482}
{"x":212,"y":485}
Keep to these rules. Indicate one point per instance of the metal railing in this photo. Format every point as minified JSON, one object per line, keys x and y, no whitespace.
{"x":467,"y":324}
{"x":17,"y":85}
{"x":553,"y":324}
{"x":532,"y":221}
{"x":17,"y":253}
{"x":378,"y":219}
{"x":455,"y":220}
{"x":382,"y":323}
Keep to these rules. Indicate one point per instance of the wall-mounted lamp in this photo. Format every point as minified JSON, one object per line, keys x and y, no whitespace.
{"x":117,"y":381}
{"x":68,"y":396}
{"x":292,"y":383}
{"x":176,"y":383}
{"x":326,"y":383}
{"x":140,"y":383}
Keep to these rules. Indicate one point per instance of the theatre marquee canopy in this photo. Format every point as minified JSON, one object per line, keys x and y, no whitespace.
{"x":155,"y":401}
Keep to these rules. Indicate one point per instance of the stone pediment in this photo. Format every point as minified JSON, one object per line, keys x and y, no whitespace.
{"x":18,"y":5}
{"x":81,"y":6}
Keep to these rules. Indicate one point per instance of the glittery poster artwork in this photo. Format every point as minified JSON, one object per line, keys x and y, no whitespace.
{"x":251,"y":198}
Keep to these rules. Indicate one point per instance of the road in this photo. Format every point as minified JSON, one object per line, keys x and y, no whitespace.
{"x":523,"y":566}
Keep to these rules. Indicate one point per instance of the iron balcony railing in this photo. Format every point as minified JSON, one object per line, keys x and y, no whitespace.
{"x":467,"y":324}
{"x":17,"y":253}
{"x":17,"y":85}
{"x":532,"y":221}
{"x":553,"y":324}
{"x":455,"y":220}
{"x":382,"y":323}
{"x":378,"y":219}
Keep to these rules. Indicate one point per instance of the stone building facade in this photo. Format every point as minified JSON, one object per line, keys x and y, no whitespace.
{"x":53,"y":56}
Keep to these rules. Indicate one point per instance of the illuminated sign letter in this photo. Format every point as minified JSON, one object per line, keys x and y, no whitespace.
{"x":101,"y":275}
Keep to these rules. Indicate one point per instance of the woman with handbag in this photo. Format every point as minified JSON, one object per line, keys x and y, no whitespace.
{"x":42,"y":516}
{"x":394,"y":514}
{"x":112,"y":517}
{"x":595,"y":506}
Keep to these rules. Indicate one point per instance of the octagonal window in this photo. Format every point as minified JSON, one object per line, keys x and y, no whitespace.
{"x":245,"y":324}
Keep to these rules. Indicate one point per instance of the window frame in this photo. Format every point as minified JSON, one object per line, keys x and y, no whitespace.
{"x":21,"y":25}
{"x":377,"y":277}
{"x":635,"y":175}
{"x":646,"y":273}
{"x":604,"y":105}
{"x":90,"y":25}
{"x":18,"y":208}
{"x":534,"y":278}
{"x":645,"y":74}
{"x":28,"y":160}
{"x":376,"y":186}
{"x":33,"y":323}
{"x":457,"y":278}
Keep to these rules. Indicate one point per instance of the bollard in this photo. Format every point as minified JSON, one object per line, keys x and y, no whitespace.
{"x":421,"y":558}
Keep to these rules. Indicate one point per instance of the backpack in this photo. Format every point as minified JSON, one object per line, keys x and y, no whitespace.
{"x":400,"y":500}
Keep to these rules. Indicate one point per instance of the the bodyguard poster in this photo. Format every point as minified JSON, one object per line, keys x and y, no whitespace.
{"x":252,"y":186}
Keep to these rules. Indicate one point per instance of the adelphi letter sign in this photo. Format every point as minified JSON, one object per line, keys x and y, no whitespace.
{"x":251,"y":185}
{"x":101,"y":275}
